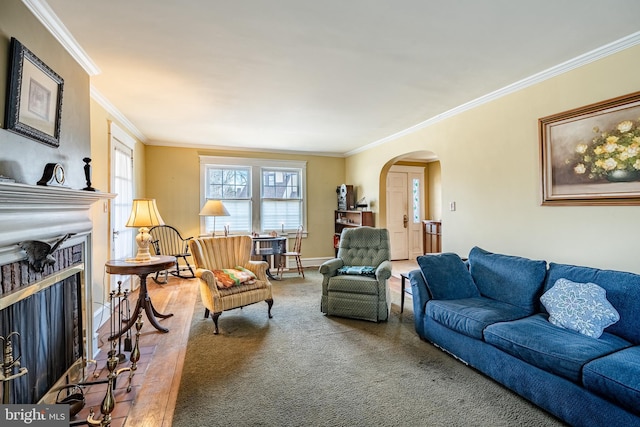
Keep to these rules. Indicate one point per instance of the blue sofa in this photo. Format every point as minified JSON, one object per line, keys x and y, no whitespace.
{"x":487,"y":312}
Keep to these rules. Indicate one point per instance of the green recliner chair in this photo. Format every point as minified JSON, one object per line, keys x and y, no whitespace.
{"x":355,"y":283}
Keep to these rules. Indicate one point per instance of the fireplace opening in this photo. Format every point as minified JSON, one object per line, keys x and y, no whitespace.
{"x":50,"y":326}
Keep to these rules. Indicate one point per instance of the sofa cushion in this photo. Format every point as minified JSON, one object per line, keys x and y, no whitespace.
{"x":447,"y":276}
{"x":470,"y":316}
{"x":581,"y":307}
{"x":508,"y":278}
{"x":623,"y":292}
{"x":551,"y":348}
{"x":616,"y":377}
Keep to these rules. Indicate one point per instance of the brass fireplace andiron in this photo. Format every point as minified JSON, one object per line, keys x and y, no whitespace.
{"x":9,"y":366}
{"x":109,"y":402}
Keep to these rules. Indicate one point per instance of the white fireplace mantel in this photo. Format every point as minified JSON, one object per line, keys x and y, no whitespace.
{"x":33,"y":212}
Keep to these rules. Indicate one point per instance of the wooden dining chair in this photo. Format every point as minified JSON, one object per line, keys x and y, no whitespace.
{"x":295,"y":252}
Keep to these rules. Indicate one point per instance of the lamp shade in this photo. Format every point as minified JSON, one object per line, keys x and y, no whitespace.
{"x":144,"y":213}
{"x":214,"y":207}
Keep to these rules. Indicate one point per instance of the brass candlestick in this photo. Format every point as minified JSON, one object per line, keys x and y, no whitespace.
{"x":109,"y":401}
{"x":135,"y":355}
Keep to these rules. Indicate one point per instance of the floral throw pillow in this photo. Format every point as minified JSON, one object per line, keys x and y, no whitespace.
{"x":582,"y":307}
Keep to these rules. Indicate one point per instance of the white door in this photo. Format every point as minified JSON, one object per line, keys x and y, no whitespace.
{"x":397,"y":214}
{"x":405,"y":211}
{"x":122,"y":237}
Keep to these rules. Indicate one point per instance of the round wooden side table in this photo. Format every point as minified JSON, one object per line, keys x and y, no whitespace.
{"x":142,"y":270}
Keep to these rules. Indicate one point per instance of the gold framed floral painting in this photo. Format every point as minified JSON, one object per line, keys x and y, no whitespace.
{"x":591,"y":155}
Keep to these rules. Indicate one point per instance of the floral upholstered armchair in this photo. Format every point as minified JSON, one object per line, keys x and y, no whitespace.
{"x":228,"y":278}
{"x":355,"y":283}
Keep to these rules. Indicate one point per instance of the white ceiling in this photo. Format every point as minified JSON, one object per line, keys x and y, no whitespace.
{"x":327,"y":77}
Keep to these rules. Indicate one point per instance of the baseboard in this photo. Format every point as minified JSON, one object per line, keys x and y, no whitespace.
{"x":313,"y":262}
{"x":100,"y":317}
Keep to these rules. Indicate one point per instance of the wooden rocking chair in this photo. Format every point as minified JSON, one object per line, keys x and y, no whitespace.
{"x":166,"y":240}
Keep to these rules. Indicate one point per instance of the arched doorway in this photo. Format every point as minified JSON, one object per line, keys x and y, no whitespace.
{"x":410,"y":192}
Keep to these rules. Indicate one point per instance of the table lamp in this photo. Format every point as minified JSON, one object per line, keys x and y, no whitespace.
{"x":144,"y":214}
{"x":214,"y":208}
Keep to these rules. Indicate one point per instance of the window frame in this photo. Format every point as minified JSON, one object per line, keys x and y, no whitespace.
{"x":256,"y":166}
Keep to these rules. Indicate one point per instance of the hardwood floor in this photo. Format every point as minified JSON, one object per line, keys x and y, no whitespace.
{"x":151,"y":401}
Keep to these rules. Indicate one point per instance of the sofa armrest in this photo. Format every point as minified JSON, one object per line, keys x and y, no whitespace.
{"x":419,"y":291}
{"x":420,"y":295}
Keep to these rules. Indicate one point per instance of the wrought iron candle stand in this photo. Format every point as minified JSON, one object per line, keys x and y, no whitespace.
{"x":9,"y":365}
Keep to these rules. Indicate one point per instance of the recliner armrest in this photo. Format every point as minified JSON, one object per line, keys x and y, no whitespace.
{"x":383,"y":272}
{"x":331,"y":266}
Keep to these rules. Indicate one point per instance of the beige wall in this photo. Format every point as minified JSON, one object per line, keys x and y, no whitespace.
{"x":434,"y":189}
{"x":173,"y":179}
{"x":490,"y":168}
{"x":22,"y":158}
{"x":100,"y":180}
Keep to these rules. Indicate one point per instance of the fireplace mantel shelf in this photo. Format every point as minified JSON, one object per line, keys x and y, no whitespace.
{"x":21,"y":194}
{"x":36,"y":212}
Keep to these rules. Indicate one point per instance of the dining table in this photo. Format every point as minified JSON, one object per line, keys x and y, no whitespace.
{"x":269,"y":248}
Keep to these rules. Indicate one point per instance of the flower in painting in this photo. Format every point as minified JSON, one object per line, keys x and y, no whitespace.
{"x":609,"y":164}
{"x":610,"y":146}
{"x":625,"y":126}
{"x":614,"y":149}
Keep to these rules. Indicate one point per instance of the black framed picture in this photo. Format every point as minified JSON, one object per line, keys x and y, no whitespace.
{"x":34,"y":101}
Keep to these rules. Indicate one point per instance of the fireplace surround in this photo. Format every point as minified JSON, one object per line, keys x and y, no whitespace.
{"x":51,"y":307}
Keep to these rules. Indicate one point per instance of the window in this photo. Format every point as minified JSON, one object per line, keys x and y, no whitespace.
{"x":415,"y":196}
{"x":281,"y":199}
{"x":232,"y":185}
{"x":237,"y":181}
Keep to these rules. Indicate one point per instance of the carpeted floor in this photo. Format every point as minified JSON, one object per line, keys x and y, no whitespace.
{"x":302,"y":368}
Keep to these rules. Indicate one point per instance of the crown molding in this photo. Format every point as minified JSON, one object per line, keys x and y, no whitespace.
{"x":579,"y":61}
{"x":51,"y":22}
{"x":116,"y":114}
{"x":227,"y":148}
